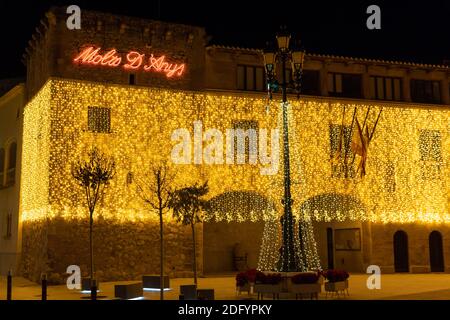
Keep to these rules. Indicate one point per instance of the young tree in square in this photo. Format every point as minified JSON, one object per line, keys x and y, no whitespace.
{"x":187,"y":205}
{"x":93,"y":175}
{"x":155,"y":189}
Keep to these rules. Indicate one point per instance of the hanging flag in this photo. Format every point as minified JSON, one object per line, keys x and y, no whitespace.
{"x":337,"y":155}
{"x":357,"y":140}
{"x":365,"y":139}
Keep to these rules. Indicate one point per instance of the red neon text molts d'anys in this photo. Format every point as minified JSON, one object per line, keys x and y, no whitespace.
{"x":134,"y":61}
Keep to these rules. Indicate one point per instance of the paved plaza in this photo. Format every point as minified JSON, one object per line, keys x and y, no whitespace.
{"x":393,"y":286}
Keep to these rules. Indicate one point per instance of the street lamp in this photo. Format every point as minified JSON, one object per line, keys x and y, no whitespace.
{"x":289,"y":258}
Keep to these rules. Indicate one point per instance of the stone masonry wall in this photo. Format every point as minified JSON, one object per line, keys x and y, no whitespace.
{"x":121,"y":251}
{"x":418,"y":245}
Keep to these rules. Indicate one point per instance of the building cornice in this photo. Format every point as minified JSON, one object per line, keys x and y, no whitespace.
{"x":276,"y":96}
{"x":12,"y":93}
{"x":335,"y":58}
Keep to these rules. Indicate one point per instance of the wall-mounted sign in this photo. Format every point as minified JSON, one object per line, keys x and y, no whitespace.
{"x":133,"y":61}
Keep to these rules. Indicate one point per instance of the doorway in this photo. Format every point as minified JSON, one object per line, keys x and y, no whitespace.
{"x":401,"y":258}
{"x":436,"y":252}
{"x":330,"y":248}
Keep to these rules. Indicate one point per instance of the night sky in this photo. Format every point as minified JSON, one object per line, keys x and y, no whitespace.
{"x":410,"y":31}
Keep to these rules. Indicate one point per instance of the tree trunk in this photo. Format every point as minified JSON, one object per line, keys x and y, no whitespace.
{"x":195,"y":256}
{"x":161,"y":278}
{"x":91,"y":245}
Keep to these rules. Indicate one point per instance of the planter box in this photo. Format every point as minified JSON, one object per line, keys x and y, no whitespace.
{"x":336,"y":287}
{"x":274,"y":289}
{"x":311,"y":289}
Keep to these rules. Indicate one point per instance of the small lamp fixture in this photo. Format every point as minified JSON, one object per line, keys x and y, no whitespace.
{"x":190,"y":38}
{"x":269,"y":60}
{"x":297,"y":60}
{"x":283,"y":38}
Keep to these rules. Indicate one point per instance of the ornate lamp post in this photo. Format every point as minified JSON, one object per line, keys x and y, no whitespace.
{"x":289,"y":258}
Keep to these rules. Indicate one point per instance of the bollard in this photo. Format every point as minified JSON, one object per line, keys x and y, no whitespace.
{"x":9,"y":286}
{"x":93,"y":289}
{"x":44,"y":286}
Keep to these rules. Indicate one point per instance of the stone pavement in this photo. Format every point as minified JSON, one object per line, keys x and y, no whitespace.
{"x":393,"y":286}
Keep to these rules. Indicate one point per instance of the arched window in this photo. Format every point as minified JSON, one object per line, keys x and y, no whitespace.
{"x":11,"y":169}
{"x":2,"y":166}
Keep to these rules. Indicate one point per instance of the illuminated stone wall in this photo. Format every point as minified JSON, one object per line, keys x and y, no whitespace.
{"x":142,"y":121}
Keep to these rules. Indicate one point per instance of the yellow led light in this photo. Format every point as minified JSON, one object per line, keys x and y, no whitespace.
{"x":143,"y":119}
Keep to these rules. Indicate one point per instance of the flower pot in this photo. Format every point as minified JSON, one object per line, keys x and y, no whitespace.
{"x":337,"y":287}
{"x":245,"y":288}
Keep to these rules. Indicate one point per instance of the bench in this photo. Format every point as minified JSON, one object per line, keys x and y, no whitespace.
{"x":189,"y":292}
{"x":86,"y":285}
{"x":128,"y":291}
{"x":152,"y":281}
{"x":205,"y":294}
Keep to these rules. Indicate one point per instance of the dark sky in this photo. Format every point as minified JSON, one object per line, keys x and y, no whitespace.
{"x":411,"y":31}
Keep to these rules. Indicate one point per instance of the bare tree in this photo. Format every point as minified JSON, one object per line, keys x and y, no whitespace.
{"x":93,"y":175}
{"x":187,"y":205}
{"x":156,"y":190}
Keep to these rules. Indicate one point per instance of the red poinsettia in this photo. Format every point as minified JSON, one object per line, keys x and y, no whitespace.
{"x":241,"y":279}
{"x":306,"y":277}
{"x":271,"y":278}
{"x":335,"y":275}
{"x":251,"y":275}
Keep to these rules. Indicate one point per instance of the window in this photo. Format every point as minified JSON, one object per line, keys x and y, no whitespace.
{"x":344,"y":85}
{"x":132,"y":79}
{"x":2,"y":166}
{"x":430,"y":144}
{"x":250,"y":78}
{"x":8,"y":231}
{"x":99,"y":119}
{"x":311,"y":82}
{"x":385,"y":88}
{"x":245,"y":141}
{"x":342,"y":166}
{"x":425,"y":91}
{"x":130,"y":177}
{"x":11,"y":169}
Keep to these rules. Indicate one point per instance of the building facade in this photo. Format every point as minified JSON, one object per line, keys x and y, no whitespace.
{"x":11,"y":119}
{"x":128,"y":86}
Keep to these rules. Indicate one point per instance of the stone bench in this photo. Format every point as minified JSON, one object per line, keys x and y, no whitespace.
{"x":86,"y":285}
{"x":189,"y":292}
{"x":128,"y":291}
{"x":152,"y":281}
{"x":205,"y":294}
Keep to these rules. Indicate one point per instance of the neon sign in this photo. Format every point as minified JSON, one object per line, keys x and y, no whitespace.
{"x":133,"y":61}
